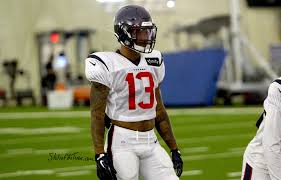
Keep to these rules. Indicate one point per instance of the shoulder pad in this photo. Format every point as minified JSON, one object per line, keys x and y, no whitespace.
{"x":95,"y":56}
{"x":278,"y":81}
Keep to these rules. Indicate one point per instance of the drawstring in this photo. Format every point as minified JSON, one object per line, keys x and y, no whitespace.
{"x":148,"y":139}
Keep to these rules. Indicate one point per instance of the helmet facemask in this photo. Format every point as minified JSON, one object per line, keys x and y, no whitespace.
{"x":138,"y":38}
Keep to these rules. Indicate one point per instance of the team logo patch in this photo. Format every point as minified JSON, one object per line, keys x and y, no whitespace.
{"x":153,"y":61}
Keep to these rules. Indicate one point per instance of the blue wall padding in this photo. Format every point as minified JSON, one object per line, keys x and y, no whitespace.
{"x":191,"y":77}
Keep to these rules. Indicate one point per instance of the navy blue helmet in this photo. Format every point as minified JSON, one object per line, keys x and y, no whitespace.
{"x":134,"y":28}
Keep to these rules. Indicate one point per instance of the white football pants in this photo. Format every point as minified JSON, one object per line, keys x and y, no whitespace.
{"x":137,"y":154}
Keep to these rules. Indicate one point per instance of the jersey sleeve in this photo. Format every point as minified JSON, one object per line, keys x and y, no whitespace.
{"x":161,"y":70}
{"x":96,"y":70}
{"x":272,"y":131}
{"x":274,"y":95}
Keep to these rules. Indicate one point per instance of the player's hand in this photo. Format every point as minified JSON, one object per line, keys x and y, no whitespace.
{"x":177,"y":161}
{"x":105,"y":169}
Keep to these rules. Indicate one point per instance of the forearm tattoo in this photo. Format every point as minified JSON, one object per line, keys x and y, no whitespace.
{"x":98,"y":99}
{"x":163,"y":124}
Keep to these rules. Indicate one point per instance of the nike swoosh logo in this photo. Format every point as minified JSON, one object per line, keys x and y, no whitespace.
{"x":94,"y":64}
{"x":279,"y":90}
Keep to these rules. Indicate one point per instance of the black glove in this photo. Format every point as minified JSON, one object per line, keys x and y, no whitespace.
{"x":105,"y":169}
{"x":177,"y":161}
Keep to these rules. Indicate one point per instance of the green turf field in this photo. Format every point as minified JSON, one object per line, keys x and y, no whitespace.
{"x":212,"y":141}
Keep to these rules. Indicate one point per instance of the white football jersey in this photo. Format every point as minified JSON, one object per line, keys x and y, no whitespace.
{"x":264,"y":151}
{"x":132,"y":87}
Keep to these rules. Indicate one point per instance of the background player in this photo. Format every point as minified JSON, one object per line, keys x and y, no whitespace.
{"x":262,"y":158}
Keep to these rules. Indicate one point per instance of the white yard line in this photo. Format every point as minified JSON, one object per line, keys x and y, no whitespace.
{"x":237,"y":149}
{"x":27,"y":173}
{"x":75,"y":168}
{"x":86,"y":114}
{"x":45,"y":115}
{"x":212,"y":126}
{"x":192,"y":173}
{"x":15,"y":152}
{"x":216,"y":111}
{"x":213,"y":156}
{"x":195,"y":149}
{"x":31,"y":151}
{"x":234,"y":174}
{"x":232,"y":152}
{"x":74,"y":173}
{"x":46,"y":171}
{"x":47,"y":151}
{"x":40,"y":139}
{"x":201,"y":139}
{"x":36,"y":131}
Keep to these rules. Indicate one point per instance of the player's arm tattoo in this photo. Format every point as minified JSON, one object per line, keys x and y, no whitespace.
{"x":162,"y":122}
{"x":98,"y":99}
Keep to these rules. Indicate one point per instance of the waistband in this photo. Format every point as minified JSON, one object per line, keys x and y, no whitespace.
{"x":147,"y":136}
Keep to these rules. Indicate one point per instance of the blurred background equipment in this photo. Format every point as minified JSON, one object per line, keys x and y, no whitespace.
{"x":57,"y":70}
{"x":245,"y":72}
{"x":60,"y":99}
{"x":10,"y":68}
{"x":275,"y":57}
{"x":241,"y":81}
{"x":3,"y":97}
{"x":13,"y":72}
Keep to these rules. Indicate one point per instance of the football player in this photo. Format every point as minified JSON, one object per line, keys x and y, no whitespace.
{"x":125,"y":88}
{"x":262,"y":157}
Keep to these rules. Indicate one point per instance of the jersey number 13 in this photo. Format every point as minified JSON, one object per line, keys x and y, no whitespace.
{"x":132,"y":90}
